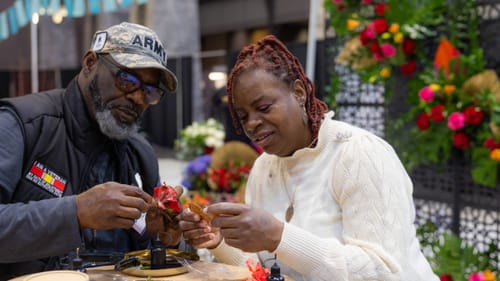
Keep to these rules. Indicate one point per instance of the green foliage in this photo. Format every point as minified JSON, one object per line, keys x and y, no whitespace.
{"x":452,"y":255}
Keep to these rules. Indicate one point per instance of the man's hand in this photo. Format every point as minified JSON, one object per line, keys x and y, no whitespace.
{"x":158,"y":222}
{"x":111,"y":205}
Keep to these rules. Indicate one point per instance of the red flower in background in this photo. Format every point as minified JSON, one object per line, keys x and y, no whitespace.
{"x":380,"y":25}
{"x":408,"y":68}
{"x":491,"y":144}
{"x":437,"y":113}
{"x":408,"y":46}
{"x":366,"y":35}
{"x":445,"y":277}
{"x":473,"y":115}
{"x":380,"y":9}
{"x":461,"y":140}
{"x":228,"y":179}
{"x":423,"y":121}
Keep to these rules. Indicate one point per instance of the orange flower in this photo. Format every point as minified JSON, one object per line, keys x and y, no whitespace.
{"x":394,"y":28}
{"x":385,"y":72}
{"x":488,"y":275}
{"x":495,"y":154}
{"x":449,"y":89}
{"x":444,"y":54}
{"x":352,"y":24}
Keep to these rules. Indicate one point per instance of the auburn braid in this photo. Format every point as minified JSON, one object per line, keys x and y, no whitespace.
{"x":270,"y":54}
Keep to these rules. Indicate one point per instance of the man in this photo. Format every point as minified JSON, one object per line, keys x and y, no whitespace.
{"x":74,"y":172}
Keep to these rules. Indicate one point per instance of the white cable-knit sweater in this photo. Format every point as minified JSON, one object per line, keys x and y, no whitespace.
{"x":353,"y":210}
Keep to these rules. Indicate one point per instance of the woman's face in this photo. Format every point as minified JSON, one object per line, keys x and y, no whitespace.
{"x":271,"y":112}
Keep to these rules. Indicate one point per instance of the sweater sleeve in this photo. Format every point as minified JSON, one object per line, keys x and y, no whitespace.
{"x":230,"y":255}
{"x":374,"y":193}
{"x":35,"y":229}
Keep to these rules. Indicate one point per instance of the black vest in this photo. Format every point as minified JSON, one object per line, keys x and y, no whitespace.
{"x":60,"y":137}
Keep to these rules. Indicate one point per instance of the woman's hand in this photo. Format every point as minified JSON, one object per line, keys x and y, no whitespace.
{"x":197,"y":232}
{"x":249,"y":229}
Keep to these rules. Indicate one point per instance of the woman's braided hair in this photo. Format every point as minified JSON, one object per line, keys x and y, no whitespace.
{"x":271,"y":55}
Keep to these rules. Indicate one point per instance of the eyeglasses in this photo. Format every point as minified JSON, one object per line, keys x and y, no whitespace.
{"x":128,"y":83}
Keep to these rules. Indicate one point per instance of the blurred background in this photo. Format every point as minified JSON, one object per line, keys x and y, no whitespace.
{"x":202,"y":39}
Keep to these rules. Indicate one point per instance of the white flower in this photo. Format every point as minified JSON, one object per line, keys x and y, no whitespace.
{"x":195,"y":137}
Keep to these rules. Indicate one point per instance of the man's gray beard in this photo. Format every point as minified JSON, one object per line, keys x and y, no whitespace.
{"x":108,"y":124}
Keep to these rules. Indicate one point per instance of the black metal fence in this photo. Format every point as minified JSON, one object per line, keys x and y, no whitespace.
{"x":446,"y":195}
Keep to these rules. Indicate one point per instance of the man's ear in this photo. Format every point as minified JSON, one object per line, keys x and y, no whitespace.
{"x":299,"y":91}
{"x":89,"y":61}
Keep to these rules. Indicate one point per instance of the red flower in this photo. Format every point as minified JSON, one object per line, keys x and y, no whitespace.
{"x":380,"y":26}
{"x":473,"y":115}
{"x":461,"y":140}
{"x":408,"y":68}
{"x":491,"y":144}
{"x":408,"y":46}
{"x":380,"y":9}
{"x":445,"y":277}
{"x":167,"y":199}
{"x":375,"y":48}
{"x":340,"y":7}
{"x":229,"y":179}
{"x":423,"y":121}
{"x":437,"y":113}
{"x":208,"y":149}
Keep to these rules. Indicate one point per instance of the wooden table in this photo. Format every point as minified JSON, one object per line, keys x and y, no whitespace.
{"x":197,"y":271}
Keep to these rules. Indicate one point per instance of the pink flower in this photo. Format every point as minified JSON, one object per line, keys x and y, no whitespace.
{"x":456,"y":121}
{"x":426,"y":94}
{"x":366,"y":1}
{"x":476,"y":276}
{"x":388,"y":50}
{"x":366,"y":35}
{"x":337,"y":1}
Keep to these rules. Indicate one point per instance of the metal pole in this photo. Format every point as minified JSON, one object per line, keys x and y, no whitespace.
{"x":34,"y":49}
{"x":311,"y":40}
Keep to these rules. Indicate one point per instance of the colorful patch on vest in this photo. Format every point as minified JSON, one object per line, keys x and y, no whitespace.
{"x":46,"y":179}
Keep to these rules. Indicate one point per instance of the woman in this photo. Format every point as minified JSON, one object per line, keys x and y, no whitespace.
{"x":332,"y":201}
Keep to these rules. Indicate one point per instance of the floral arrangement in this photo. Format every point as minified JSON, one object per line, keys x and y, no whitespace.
{"x":220,"y":176}
{"x":208,"y":185}
{"x":454,"y":102}
{"x":382,"y":35}
{"x":455,"y":107}
{"x":199,"y":176}
{"x":452,"y":259}
{"x":199,"y":138}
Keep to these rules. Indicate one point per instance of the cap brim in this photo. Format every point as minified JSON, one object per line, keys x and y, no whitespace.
{"x":139,"y":61}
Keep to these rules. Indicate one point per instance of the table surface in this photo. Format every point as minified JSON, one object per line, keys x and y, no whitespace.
{"x":197,"y":271}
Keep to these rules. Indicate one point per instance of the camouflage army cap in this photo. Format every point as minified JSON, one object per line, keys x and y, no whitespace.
{"x":135,"y":46}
